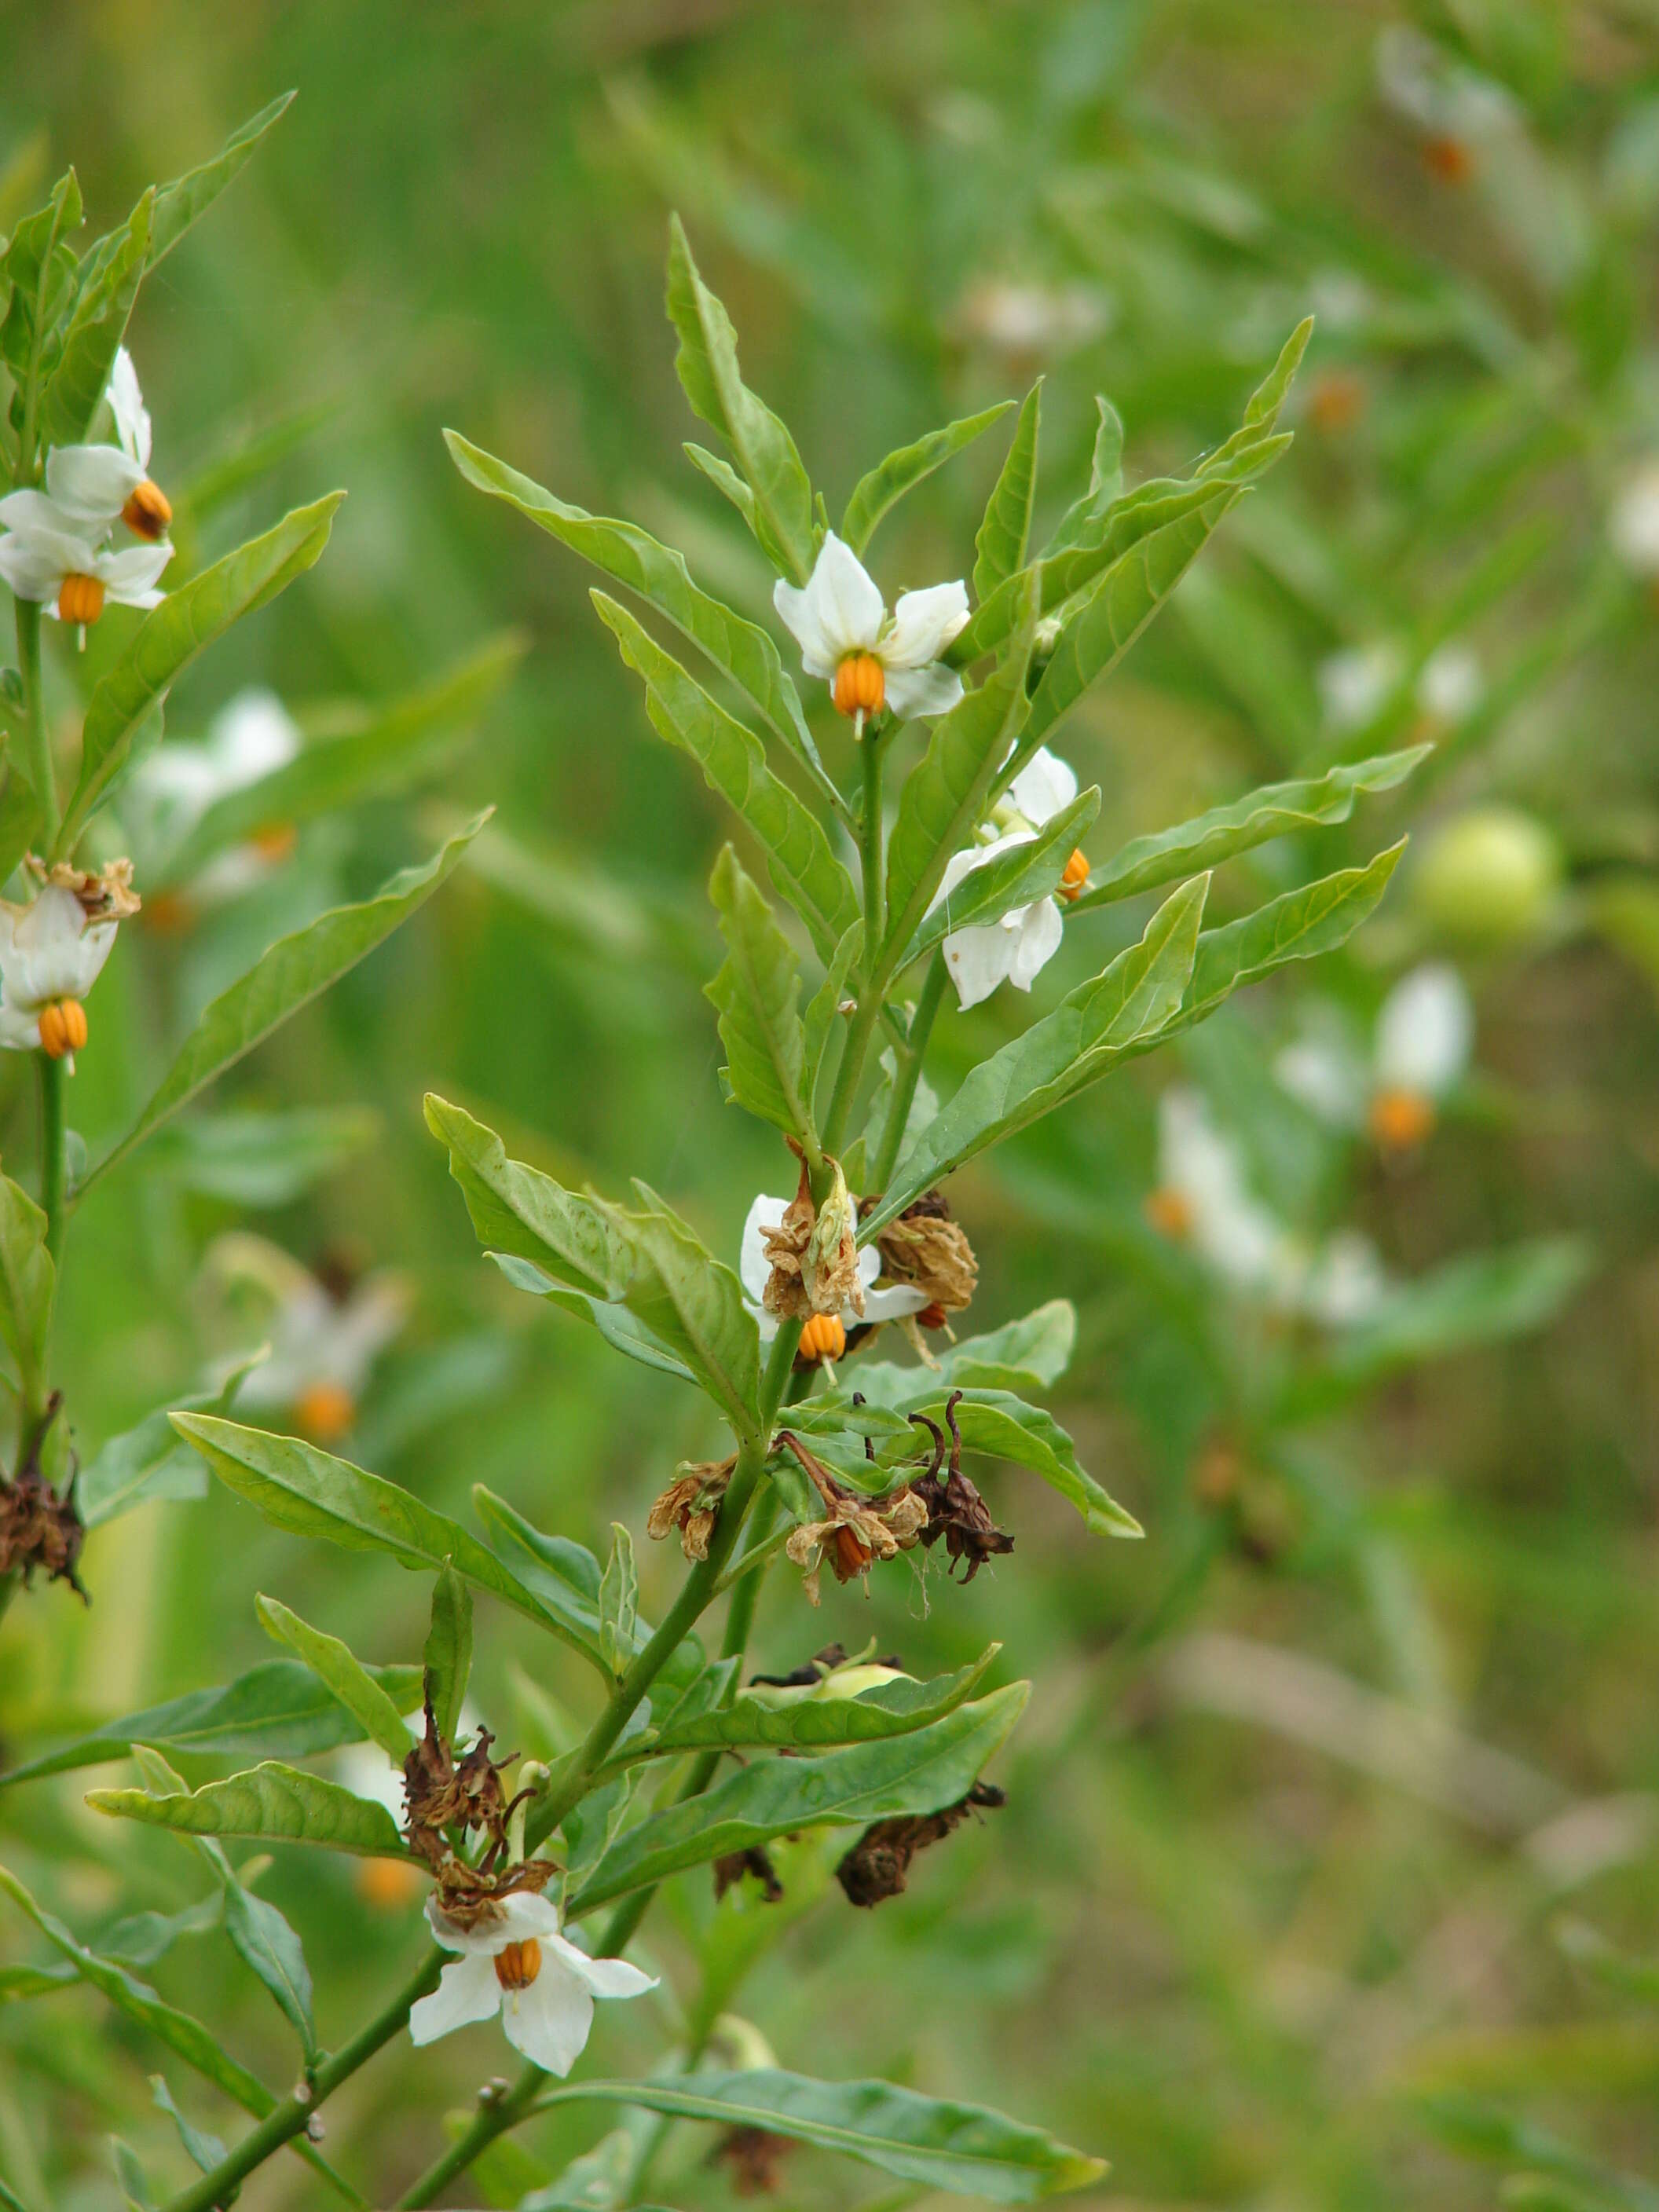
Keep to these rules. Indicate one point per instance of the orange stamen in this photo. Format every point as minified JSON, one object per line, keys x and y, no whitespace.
{"x":80,"y":600}
{"x":62,"y":1028}
{"x":822,"y":1338}
{"x":1400,"y":1120}
{"x":1337,"y":401}
{"x":149,"y":511}
{"x":1449,"y":161}
{"x":861,"y":685}
{"x":387,"y":1884}
{"x":324,"y":1412}
{"x":1075,"y":880}
{"x":517,"y":1964}
{"x":1170,"y":1213}
{"x":275,"y":841}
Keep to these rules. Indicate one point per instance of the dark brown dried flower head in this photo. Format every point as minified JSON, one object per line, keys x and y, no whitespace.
{"x":735,"y":1864}
{"x":691,"y":1504}
{"x":927,"y":1247}
{"x":39,"y":1527}
{"x":754,"y":2159}
{"x":955,"y":1508}
{"x":442,"y":1795}
{"x":855,"y":1532}
{"x":878,"y":1865}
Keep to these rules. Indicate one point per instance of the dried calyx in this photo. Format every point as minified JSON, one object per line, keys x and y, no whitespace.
{"x":878,"y":1865}
{"x":735,"y":1865}
{"x":855,"y":1532}
{"x":40,"y":1527}
{"x":813,"y":1252}
{"x":954,"y":1507}
{"x":927,"y":1247}
{"x":753,"y":2159}
{"x":691,"y":1504}
{"x":445,"y":1802}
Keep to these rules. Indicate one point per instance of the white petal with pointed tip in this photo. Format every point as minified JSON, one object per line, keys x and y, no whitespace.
{"x":550,"y":2021}
{"x":467,"y":1991}
{"x":92,"y":482}
{"x":1045,"y":787}
{"x":838,"y":611}
{"x":1424,"y":1031}
{"x":923,"y":623}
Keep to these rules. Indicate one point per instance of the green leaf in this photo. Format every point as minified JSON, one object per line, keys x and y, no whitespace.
{"x":100,"y":321}
{"x":21,"y":820}
{"x":1040,"y":1344}
{"x":1085,"y":520}
{"x":1261,"y":413}
{"x":820,"y":1023}
{"x":272,"y":1803}
{"x":756,"y":992}
{"x":619,"y":1603}
{"x":1025,"y":873}
{"x":564,"y":1575}
{"x":694,"y":1304}
{"x":334,"y":1663}
{"x":448,"y":1655}
{"x":1091,"y":1028}
{"x":737,"y":648}
{"x":203,"y":2151}
{"x":149,"y":1462}
{"x":808,"y":1720}
{"x":734,"y":762}
{"x":28,"y":1283}
{"x":279,"y":1706}
{"x":764,"y":451}
{"x":42,"y":270}
{"x":1298,"y":927}
{"x":1272,"y":811}
{"x":1001,"y":1424}
{"x":269,"y":1948}
{"x":619,"y":1327}
{"x":920,"y":1772}
{"x":517,"y":1209}
{"x":286,"y":976}
{"x":130,"y":2177}
{"x":310,"y":1493}
{"x":1005,"y":532}
{"x":945,"y":793}
{"x":197,"y":2046}
{"x":125,"y":702}
{"x":397,"y":748}
{"x":251,"y":1158}
{"x":182,"y":202}
{"x":875,"y":495}
{"x":960,"y":2149}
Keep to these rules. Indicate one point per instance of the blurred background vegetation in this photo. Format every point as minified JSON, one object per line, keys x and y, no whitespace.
{"x":1323,"y":1783}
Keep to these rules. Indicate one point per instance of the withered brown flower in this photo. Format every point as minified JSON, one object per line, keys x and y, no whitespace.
{"x":927,"y":1247}
{"x":754,"y":2159}
{"x":442,"y":1795}
{"x":40,"y":1527}
{"x":813,"y":1252}
{"x":106,"y":894}
{"x":735,"y":1864}
{"x":691,"y":1504}
{"x":955,"y":1508}
{"x":878,"y":1865}
{"x":855,"y":1531}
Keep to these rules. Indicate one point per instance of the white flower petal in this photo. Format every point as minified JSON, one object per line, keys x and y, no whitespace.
{"x":753,"y":1266}
{"x":126,"y":404}
{"x":1045,"y":787}
{"x":92,"y":482}
{"x":606,"y":1977}
{"x":129,"y":577}
{"x":52,"y":952}
{"x":896,"y":1299}
{"x":1354,"y":684}
{"x":1424,"y":1031}
{"x":1632,"y":526}
{"x":1325,"y":1078}
{"x":839,"y":610}
{"x":1037,"y":930}
{"x":974,"y":856}
{"x":252,"y":735}
{"x":550,"y":2021}
{"x":1347,"y":1283}
{"x":29,"y":569}
{"x":33,"y":512}
{"x":20,"y":1032}
{"x":1449,"y":684}
{"x":977,"y":960}
{"x":526,"y":1914}
{"x":913,"y":692}
{"x":923,"y":623}
{"x":466,"y":1991}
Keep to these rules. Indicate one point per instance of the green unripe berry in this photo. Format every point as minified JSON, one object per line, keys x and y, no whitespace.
{"x":1488,"y":876}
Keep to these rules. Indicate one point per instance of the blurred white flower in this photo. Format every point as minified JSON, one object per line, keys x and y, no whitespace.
{"x":251,"y":735}
{"x":323,"y":1345}
{"x":1454,"y":109}
{"x":1451,"y":684}
{"x":1018,"y":946}
{"x":1356,"y":683}
{"x":870,"y":658}
{"x":1633,"y":523}
{"x":1423,"y":1035}
{"x":754,"y":1269}
{"x":516,"y":1962}
{"x":52,"y":950}
{"x":49,"y":555}
{"x":1032,"y":321}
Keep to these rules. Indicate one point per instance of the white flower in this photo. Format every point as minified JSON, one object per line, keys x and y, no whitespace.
{"x":1633,"y":524}
{"x":1423,"y":1035}
{"x":869,"y":658}
{"x":126,"y":404}
{"x":1016,"y":947}
{"x":1032,"y":320}
{"x":1357,"y":683}
{"x":322,"y":1345}
{"x":49,"y":555}
{"x":251,"y":737}
{"x":1441,"y":97}
{"x":1450,"y":684}
{"x":1346,"y":1283}
{"x":517,"y":1963}
{"x":754,"y":1268}
{"x":52,"y":952}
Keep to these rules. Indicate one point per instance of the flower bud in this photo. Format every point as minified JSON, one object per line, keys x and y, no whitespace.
{"x":1489,"y":876}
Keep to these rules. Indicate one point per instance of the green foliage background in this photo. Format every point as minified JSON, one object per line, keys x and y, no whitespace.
{"x":1233,"y":1960}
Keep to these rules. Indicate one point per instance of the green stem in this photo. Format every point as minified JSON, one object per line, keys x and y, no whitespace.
{"x":53,"y":1133}
{"x":871,"y":993}
{"x":909,"y":1073}
{"x":38,"y":744}
{"x":870,"y":854}
{"x":288,"y":2119}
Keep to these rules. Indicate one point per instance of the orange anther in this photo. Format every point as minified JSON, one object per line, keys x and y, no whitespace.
{"x":62,"y":1028}
{"x":324,"y":1412}
{"x":275,"y":841}
{"x":822,"y":1338}
{"x":1449,"y":161}
{"x":1170,"y":1212}
{"x":80,"y":600}
{"x":1337,"y":401}
{"x":1401,"y":1119}
{"x":853,"y":1555}
{"x":387,"y":1884}
{"x":517,"y":1964}
{"x":149,"y":511}
{"x":861,"y":685}
{"x":1072,"y":883}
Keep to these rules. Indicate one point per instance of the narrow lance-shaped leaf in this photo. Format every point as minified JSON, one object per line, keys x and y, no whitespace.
{"x":204,"y":2151}
{"x":756,"y":992}
{"x":1261,"y":410}
{"x":818,"y":1022}
{"x":694,"y":1305}
{"x":1014,"y":879}
{"x":169,"y":639}
{"x":278,"y":1708}
{"x":28,"y":1283}
{"x":449,"y":1654}
{"x":95,"y":331}
{"x":187,"y":198}
{"x":516,"y":1208}
{"x":400,"y":744}
{"x":271,"y":1804}
{"x":737,"y":648}
{"x":286,"y":976}
{"x":311,"y":1493}
{"x":1005,"y":532}
{"x":1099,"y":1022}
{"x":334,"y":1662}
{"x":762,"y":446}
{"x":963,"y":2149}
{"x":1272,"y":811}
{"x":149,"y":1462}
{"x":1086,"y":517}
{"x":807,"y":1720}
{"x":876,"y":494}
{"x":945,"y":793}
{"x":882,"y":1780}
{"x":804,"y":868}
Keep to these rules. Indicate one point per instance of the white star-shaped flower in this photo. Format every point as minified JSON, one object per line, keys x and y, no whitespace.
{"x":753,"y":1268}
{"x":1016,"y":947}
{"x":52,"y":952}
{"x":53,"y":555}
{"x":323,"y":1345}
{"x":869,"y":658}
{"x":517,"y":1963}
{"x":1421,"y":1046}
